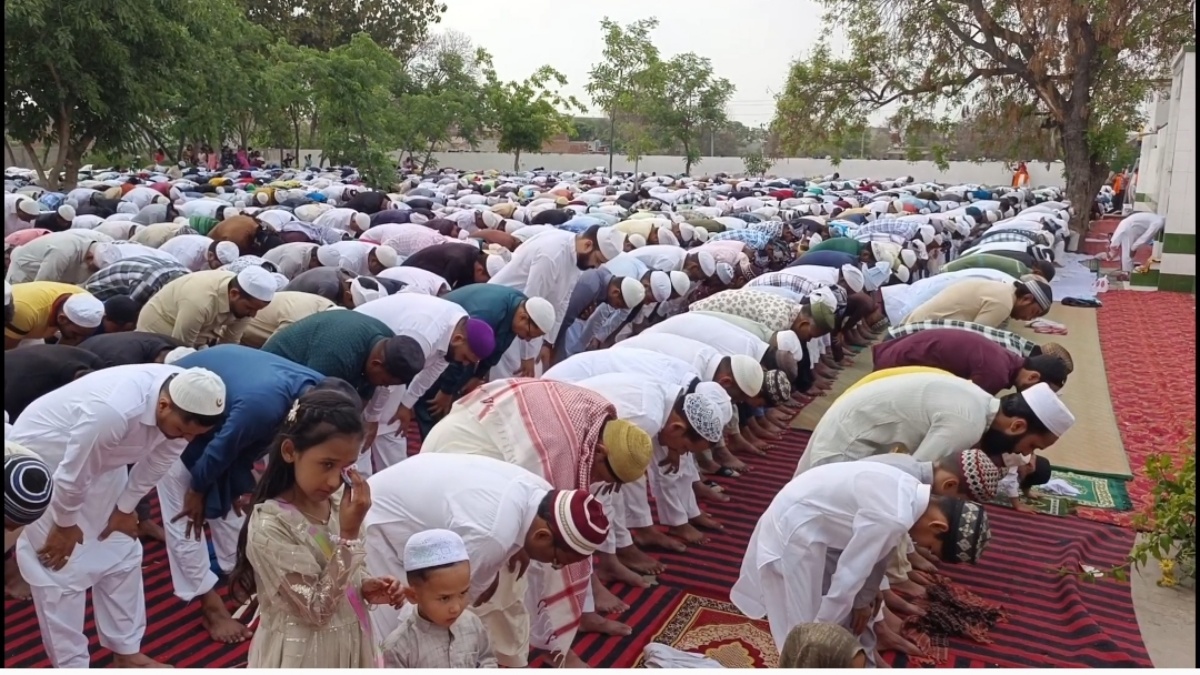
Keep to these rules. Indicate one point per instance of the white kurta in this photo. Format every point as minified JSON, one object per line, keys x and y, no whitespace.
{"x":428,"y":320}
{"x":702,"y":358}
{"x":417,"y":280}
{"x":723,"y":336}
{"x":191,"y":250}
{"x":489,"y":503}
{"x":88,"y":432}
{"x":543,"y":267}
{"x":661,"y":257}
{"x":862,"y":508}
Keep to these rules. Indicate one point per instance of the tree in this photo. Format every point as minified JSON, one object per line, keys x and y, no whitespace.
{"x":525,"y":115}
{"x":1076,"y":70}
{"x":396,"y":25}
{"x":616,"y":83}
{"x":687,"y":98}
{"x":639,"y":141}
{"x":287,"y":90}
{"x":83,"y":75}
{"x":355,"y":89}
{"x":756,"y":163}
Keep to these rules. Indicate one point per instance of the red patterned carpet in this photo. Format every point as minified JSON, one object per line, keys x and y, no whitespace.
{"x":1149,"y":346}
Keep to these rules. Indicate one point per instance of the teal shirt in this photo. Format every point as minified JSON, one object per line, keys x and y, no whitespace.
{"x":496,"y":305}
{"x":335,"y":343}
{"x":839,"y":244}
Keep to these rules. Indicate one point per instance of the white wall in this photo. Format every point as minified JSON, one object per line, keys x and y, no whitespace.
{"x":1177,"y":175}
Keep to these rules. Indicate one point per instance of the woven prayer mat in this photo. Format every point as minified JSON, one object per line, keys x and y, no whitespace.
{"x":1047,"y":505}
{"x":863,"y":364}
{"x":1094,"y":444}
{"x":717,"y":630}
{"x":1096,"y":492}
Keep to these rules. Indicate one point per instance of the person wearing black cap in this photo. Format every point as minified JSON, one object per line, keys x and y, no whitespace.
{"x":123,"y":349}
{"x":208,"y":483}
{"x":27,"y":490}
{"x":120,"y":315}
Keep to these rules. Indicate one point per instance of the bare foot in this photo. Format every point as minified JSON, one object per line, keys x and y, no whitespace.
{"x":921,"y":562}
{"x":899,"y":605}
{"x":221,"y":626}
{"x":910,"y":588}
{"x":652,"y":537}
{"x":744,"y":445}
{"x":138,"y":660}
{"x":15,"y":585}
{"x":148,"y":529}
{"x":637,"y":560}
{"x":707,"y":522}
{"x":706,"y":493}
{"x":890,"y":639}
{"x":726,"y":458}
{"x":606,"y":602}
{"x":707,"y":464}
{"x":688,"y":533}
{"x":591,"y":622}
{"x":572,"y":660}
{"x":609,"y":569}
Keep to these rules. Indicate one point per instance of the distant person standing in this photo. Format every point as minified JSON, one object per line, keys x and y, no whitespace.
{"x":1118,"y":185}
{"x":1021,"y":175}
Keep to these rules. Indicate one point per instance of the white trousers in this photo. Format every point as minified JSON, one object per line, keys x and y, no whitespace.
{"x":119,"y":602}
{"x":191,"y":573}
{"x":637,"y":505}
{"x":673,"y":493}
{"x":615,"y":508}
{"x":390,"y":447}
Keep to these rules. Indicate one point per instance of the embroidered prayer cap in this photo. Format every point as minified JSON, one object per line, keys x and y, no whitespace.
{"x":703,"y":416}
{"x":981,"y":474}
{"x":747,"y":374}
{"x":628,"y":448}
{"x":480,"y":338}
{"x":1049,"y":408}
{"x":632,"y":292}
{"x":611,"y":241}
{"x":434,"y":548}
{"x":257,"y":283}
{"x":541,"y":312}
{"x":969,"y":532}
{"x":819,"y":645}
{"x":660,"y":286}
{"x":725,"y":272}
{"x":578,"y":520}
{"x":198,"y":391}
{"x":366,"y":289}
{"x":853,"y":277}
{"x":717,"y":395}
{"x":777,"y":387}
{"x":1039,"y":289}
{"x":1056,"y":349}
{"x":84,"y":310}
{"x":27,"y":486}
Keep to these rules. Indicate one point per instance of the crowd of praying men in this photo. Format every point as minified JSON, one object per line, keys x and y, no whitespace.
{"x":649,"y":332}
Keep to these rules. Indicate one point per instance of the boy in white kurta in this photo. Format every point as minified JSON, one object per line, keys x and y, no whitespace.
{"x":89,"y":431}
{"x":863,"y":510}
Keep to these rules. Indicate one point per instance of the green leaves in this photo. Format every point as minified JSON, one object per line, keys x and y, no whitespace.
{"x":525,"y":115}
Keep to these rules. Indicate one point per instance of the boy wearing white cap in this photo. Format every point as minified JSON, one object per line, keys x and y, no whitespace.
{"x":208,"y":307}
{"x":437,"y":629}
{"x":88,"y":432}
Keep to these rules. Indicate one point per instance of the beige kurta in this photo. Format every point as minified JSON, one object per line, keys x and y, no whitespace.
{"x":286,"y":308}
{"x":981,"y":301}
{"x":305,"y":619}
{"x":194,"y":309}
{"x":417,"y":643}
{"x":157,"y":234}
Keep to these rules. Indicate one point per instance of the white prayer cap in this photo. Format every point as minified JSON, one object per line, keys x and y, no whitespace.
{"x":494,"y":264}
{"x":686,"y":231}
{"x":540,"y":311}
{"x":708,"y":264}
{"x":162,"y":199}
{"x":176,"y":354}
{"x":667,"y":237}
{"x":491,"y":219}
{"x":29,"y":207}
{"x":718,"y":397}
{"x":198,"y":391}
{"x":926,"y":233}
{"x":257,"y":283}
{"x":1049,"y":408}
{"x":814,"y":240}
{"x":433,"y":548}
{"x":365,"y":289}
{"x":903,"y":275}
{"x":262,"y":197}
{"x":66,"y":212}
{"x":362,"y":221}
{"x":908,"y":257}
{"x":226,"y":252}
{"x":511,"y":226}
{"x":632,"y":292}
{"x":281,"y":281}
{"x":636,"y":240}
{"x":853,"y":277}
{"x":84,"y":310}
{"x":680,"y":282}
{"x":788,"y":341}
{"x":660,"y":286}
{"x":725,"y":272}
{"x":418,"y":218}
{"x":612,"y":242}
{"x":387,"y":256}
{"x":701,"y":234}
{"x":327,"y":255}
{"x":747,"y":374}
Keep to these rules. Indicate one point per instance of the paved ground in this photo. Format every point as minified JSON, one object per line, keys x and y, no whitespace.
{"x":1167,"y":618}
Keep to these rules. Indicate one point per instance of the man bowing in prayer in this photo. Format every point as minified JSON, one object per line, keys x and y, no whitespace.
{"x":204,"y":308}
{"x":90,"y":430}
{"x":819,"y":552}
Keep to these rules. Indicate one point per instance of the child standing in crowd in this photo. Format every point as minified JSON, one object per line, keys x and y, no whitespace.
{"x":436,"y":629}
{"x":301,"y":549}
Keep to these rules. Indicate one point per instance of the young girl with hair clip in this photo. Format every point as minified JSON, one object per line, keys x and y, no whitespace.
{"x":301,"y":549}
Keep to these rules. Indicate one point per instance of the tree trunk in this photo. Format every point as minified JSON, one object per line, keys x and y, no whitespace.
{"x":428,"y":156}
{"x":516,"y":160}
{"x":612,"y":139}
{"x":687,"y":160}
{"x":1085,"y":173}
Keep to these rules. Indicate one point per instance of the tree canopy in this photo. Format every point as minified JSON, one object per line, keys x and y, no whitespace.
{"x":1061,"y":74}
{"x":525,"y":115}
{"x":687,"y":99}
{"x":619,"y":82}
{"x":399,"y":26}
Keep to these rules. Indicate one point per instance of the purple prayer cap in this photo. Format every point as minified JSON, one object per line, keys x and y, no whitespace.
{"x":480,"y":338}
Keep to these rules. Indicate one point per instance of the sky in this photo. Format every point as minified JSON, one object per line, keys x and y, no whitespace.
{"x":751,"y":43}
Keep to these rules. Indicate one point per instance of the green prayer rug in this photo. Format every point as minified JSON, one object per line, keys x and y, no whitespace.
{"x":1096,"y":492}
{"x":1049,"y":505}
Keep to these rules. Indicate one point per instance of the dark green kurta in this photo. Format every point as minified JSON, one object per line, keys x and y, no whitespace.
{"x":335,"y":343}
